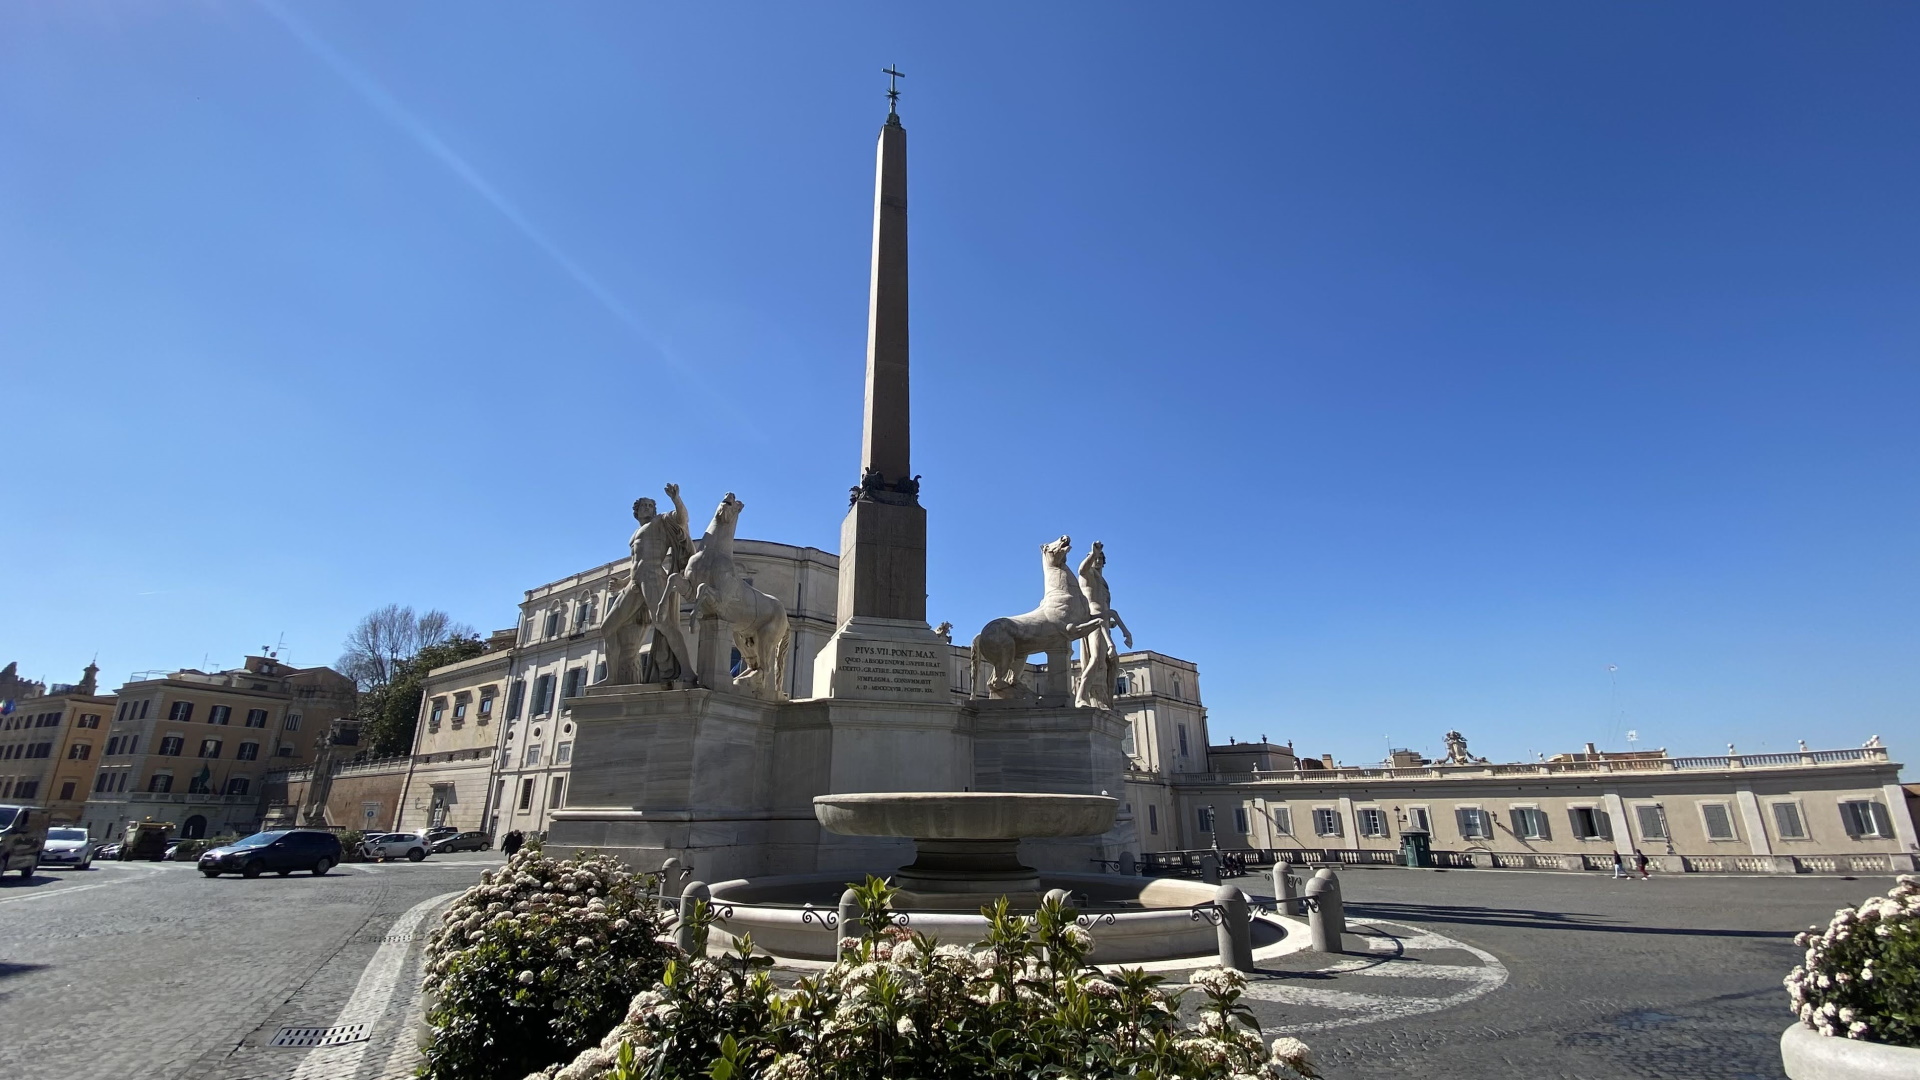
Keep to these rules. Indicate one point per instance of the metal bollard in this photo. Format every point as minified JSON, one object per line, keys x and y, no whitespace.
{"x":1235,"y":930}
{"x":1129,"y":866}
{"x":1210,"y":868}
{"x":849,"y":917}
{"x":1286,"y":888}
{"x":672,"y":873}
{"x":694,"y":894}
{"x":1326,"y":916}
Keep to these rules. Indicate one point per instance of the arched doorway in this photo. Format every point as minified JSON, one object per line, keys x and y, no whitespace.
{"x":194,"y":829}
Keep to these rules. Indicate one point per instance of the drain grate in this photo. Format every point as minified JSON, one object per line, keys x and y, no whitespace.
{"x":322,"y":1036}
{"x":397,"y":939}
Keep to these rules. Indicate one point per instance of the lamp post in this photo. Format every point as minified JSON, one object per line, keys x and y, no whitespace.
{"x":1665,"y":830}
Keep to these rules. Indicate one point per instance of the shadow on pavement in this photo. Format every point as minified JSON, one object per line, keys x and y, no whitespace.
{"x":1527,"y":919}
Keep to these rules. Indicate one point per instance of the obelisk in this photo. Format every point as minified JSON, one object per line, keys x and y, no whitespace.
{"x":883,"y":647}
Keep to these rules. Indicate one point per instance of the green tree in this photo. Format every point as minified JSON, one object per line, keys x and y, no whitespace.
{"x":391,"y":712}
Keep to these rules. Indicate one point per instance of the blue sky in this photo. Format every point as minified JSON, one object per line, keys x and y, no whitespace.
{"x":1415,"y":362}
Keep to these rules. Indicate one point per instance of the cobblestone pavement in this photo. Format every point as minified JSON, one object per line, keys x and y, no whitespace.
{"x":149,"y":970}
{"x":1488,"y":975}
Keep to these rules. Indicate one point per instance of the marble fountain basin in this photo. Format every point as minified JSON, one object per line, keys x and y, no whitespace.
{"x":965,"y":815}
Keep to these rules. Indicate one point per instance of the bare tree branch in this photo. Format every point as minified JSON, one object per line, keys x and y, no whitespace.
{"x":388,"y":636}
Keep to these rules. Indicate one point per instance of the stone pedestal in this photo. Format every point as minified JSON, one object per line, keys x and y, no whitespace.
{"x":1060,"y":748}
{"x":875,"y":659}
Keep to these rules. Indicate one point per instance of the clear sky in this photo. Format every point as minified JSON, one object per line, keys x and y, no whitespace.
{"x":1416,"y":363}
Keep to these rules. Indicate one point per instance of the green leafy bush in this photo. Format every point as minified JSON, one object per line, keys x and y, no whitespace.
{"x":1024,"y":1004}
{"x":189,"y":850}
{"x":1861,"y":978}
{"x":533,"y":964}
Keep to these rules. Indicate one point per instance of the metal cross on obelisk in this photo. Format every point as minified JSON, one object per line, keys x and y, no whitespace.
{"x":893,"y":87}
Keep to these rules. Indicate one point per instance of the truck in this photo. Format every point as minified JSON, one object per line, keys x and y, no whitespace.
{"x":145,"y":840}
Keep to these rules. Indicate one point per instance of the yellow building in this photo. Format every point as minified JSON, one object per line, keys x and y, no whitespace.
{"x":194,"y":747}
{"x":50,"y":745}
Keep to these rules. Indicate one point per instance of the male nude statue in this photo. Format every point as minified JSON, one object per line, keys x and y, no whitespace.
{"x":661,"y":547}
{"x":1099,"y":660}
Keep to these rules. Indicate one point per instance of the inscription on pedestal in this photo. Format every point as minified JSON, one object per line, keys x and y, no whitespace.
{"x":882,"y":669}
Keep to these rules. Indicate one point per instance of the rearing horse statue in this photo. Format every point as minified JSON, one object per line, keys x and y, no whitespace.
{"x":1062,"y":616}
{"x":759,"y":621}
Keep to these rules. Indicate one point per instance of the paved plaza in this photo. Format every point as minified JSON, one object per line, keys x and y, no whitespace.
{"x":150,"y":970}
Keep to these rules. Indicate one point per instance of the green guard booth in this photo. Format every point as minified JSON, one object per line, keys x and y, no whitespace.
{"x":1415,"y":850}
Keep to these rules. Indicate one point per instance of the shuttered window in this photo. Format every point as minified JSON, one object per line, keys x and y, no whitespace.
{"x":1787,"y":823}
{"x":1282,"y":820}
{"x":1326,"y":822}
{"x":1590,"y":823}
{"x":1240,"y":820}
{"x":1531,"y":824}
{"x":1864,"y":818}
{"x":1373,"y":821}
{"x":1719,"y":821}
{"x":1653,"y":824}
{"x":1472,"y":822}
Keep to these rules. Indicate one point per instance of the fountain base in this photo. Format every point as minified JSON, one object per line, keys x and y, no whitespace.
{"x":966,"y":875}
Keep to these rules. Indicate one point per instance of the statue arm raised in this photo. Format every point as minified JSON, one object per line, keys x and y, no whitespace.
{"x":680,"y":541}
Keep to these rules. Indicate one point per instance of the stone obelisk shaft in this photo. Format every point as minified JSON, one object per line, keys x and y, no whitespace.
{"x":883,"y":542}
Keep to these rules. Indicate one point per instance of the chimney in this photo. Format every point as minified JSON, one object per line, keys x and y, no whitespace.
{"x":1592,"y":754}
{"x":1327,"y":759}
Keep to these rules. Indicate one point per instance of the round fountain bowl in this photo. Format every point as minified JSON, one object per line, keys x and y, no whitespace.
{"x":965,"y":815}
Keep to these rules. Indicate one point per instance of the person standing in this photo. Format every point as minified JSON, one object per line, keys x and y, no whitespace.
{"x":1619,"y":867}
{"x":512,"y":843}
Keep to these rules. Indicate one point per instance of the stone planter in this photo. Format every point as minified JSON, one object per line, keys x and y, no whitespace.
{"x":1809,"y":1055}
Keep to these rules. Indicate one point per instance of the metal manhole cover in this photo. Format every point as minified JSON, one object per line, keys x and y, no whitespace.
{"x":322,"y":1036}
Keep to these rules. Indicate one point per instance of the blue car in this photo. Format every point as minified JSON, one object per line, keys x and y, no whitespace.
{"x":282,"y":852}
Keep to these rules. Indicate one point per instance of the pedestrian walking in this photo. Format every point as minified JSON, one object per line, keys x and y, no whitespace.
{"x":1640,"y":860}
{"x":1619,"y":867}
{"x":512,"y":843}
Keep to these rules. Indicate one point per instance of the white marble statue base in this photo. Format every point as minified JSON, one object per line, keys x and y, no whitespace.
{"x":884,"y":660}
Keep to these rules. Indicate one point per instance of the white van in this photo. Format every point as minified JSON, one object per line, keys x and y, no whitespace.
{"x":23,"y":832}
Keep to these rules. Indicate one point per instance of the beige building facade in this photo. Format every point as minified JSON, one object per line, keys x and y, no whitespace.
{"x":1817,"y":810}
{"x":194,"y":747}
{"x":457,"y":742}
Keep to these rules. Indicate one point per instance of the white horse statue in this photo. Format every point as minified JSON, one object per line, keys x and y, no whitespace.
{"x":759,"y":621}
{"x":1062,"y":616}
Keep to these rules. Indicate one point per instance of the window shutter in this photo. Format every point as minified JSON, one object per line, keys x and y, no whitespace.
{"x":1882,"y":821}
{"x":1649,"y":817}
{"x":1850,"y":819}
{"x":1463,"y":820}
{"x":1604,"y":823}
{"x":1580,"y":831}
{"x":1719,"y":823}
{"x":1546,"y":829}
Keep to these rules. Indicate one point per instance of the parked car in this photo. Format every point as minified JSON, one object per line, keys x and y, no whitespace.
{"x":400,"y":845}
{"x":67,"y":846}
{"x":466,"y":841}
{"x":282,"y":851}
{"x":23,"y":832}
{"x":109,"y":852}
{"x":439,"y":833}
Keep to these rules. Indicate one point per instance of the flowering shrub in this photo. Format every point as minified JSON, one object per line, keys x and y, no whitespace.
{"x":532,"y":964}
{"x":1022,"y":1004}
{"x":1861,"y":978}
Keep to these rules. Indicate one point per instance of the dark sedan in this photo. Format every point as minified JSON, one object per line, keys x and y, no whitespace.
{"x":282,"y":852}
{"x":466,"y":841}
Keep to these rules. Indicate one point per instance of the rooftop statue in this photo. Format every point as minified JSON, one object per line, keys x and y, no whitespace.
{"x":1063,"y":615}
{"x":661,"y":549}
{"x":759,"y":621}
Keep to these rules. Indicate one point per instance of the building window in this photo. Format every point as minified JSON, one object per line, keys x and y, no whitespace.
{"x":293,"y":721}
{"x":171,"y":746}
{"x":555,"y":791}
{"x":286,"y":751}
{"x":181,"y":711}
{"x":1652,"y":821}
{"x":1530,"y":823}
{"x":532,"y":759}
{"x":571,"y":688}
{"x":27,"y":789}
{"x":79,"y":751}
{"x":89,"y":720}
{"x":600,"y":672}
{"x":102,"y":782}
{"x":1123,"y":685}
{"x":1181,"y":731}
{"x":247,"y":751}
{"x":1417,"y":819}
{"x":563,"y":753}
{"x":1787,"y":822}
{"x":210,"y":748}
{"x":219,"y":714}
{"x":1326,"y":821}
{"x":583,"y":614}
{"x":526,"y":793}
{"x":160,"y":782}
{"x":1240,"y":820}
{"x":120,"y":713}
{"x":66,"y":791}
{"x":515,"y":693}
{"x":145,"y":704}
{"x":1590,"y":823}
{"x":542,"y":695}
{"x":1865,"y":818}
{"x":1177,"y":689}
{"x":1372,"y":821}
{"x":436,"y":713}
{"x":1718,"y":820}
{"x":257,"y":718}
{"x":1282,"y":820}
{"x":485,"y":712}
{"x":460,"y":713}
{"x":1153,"y":819}
{"x":1473,"y":823}
{"x":237,"y":786}
{"x":1206,"y":819}
{"x":113,"y":746}
{"x":553,"y":626}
